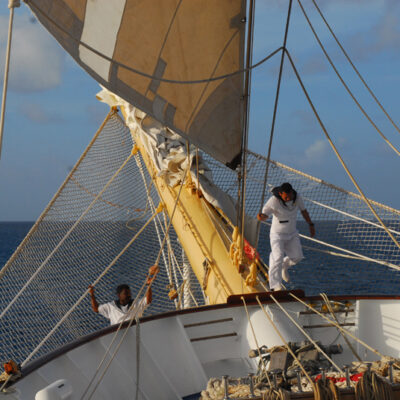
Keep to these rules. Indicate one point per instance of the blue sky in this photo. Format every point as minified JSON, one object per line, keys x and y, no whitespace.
{"x":52,"y":112}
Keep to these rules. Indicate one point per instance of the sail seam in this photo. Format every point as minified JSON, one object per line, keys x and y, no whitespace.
{"x":153,"y":77}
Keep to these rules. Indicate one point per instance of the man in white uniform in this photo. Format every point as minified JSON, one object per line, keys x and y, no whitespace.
{"x":286,"y":249}
{"x":118,"y":310}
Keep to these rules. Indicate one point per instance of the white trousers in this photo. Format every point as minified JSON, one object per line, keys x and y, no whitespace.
{"x":286,"y":251}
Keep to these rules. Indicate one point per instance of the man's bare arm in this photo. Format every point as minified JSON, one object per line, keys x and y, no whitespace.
{"x":95,"y":304}
{"x":306,"y":216}
{"x":149,"y":295}
{"x":153,"y":271}
{"x":262,"y":217}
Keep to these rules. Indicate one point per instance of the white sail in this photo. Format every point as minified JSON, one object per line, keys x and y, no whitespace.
{"x":184,"y":41}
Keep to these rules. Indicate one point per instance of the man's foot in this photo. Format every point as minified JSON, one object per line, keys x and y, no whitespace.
{"x":285,"y":274}
{"x":276,"y":289}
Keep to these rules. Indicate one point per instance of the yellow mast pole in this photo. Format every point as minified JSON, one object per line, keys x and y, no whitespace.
{"x":207,"y":252}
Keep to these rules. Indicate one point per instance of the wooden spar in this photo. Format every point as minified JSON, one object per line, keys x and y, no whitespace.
{"x":199,"y":237}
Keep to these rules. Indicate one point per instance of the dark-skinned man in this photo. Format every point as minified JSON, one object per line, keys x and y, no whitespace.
{"x":117,"y":311}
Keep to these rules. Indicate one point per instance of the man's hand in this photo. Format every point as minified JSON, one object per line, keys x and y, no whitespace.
{"x":262,"y":217}
{"x":95,"y":305}
{"x":312,"y":229}
{"x":153,"y":271}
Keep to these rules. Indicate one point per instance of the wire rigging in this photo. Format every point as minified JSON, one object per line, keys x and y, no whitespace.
{"x":344,"y":83}
{"x":337,"y":152}
{"x":354,"y":67}
{"x":271,"y":136}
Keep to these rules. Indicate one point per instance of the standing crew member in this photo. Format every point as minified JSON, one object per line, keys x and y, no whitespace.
{"x":118,"y":310}
{"x":286,"y":249}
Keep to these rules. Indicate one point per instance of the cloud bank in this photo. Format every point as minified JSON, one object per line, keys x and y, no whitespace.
{"x":36,"y":59}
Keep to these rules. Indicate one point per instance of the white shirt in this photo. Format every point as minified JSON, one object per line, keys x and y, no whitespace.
{"x":116,"y":315}
{"x":283,"y":217}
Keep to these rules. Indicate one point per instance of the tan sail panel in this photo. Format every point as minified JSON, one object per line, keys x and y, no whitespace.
{"x":185,"y":41}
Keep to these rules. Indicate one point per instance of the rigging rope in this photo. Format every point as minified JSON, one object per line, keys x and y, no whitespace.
{"x":344,"y":83}
{"x":171,"y":216}
{"x":33,"y":276}
{"x":152,"y":205}
{"x":271,"y":136}
{"x":37,"y":348}
{"x":245,"y":128}
{"x":255,"y":340}
{"x":156,"y":263}
{"x":325,"y":389}
{"x":349,"y":215}
{"x":373,"y":387}
{"x":11,"y":5}
{"x":106,"y":353}
{"x":333,"y":253}
{"x":112,"y":112}
{"x":345,"y":331}
{"x":337,"y":152}
{"x":355,"y":68}
{"x":306,"y":334}
{"x":276,"y":394}
{"x":137,"y":357}
{"x":285,"y":343}
{"x":329,"y":306}
{"x":141,"y":73}
{"x":352,"y":253}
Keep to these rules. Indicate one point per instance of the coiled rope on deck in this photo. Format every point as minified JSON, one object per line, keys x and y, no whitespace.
{"x":276,"y":394}
{"x":325,"y":389}
{"x":373,"y":387}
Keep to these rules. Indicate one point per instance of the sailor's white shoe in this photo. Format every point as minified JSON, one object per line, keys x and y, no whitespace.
{"x":285,"y":274}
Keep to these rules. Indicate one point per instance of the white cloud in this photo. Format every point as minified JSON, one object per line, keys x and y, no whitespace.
{"x":36,"y":113}
{"x":316,"y":153}
{"x":36,"y":59}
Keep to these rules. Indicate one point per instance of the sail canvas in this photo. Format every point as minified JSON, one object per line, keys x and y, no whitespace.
{"x":186,"y":42}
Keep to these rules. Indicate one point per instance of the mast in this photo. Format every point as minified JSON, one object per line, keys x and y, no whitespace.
{"x":247,"y":88}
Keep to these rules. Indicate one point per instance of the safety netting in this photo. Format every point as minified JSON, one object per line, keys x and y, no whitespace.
{"x":352,"y":253}
{"x":102,"y":204}
{"x":108,"y":197}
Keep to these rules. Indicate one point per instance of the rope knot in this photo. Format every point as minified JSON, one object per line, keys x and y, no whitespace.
{"x":135,"y":150}
{"x":160,"y":208}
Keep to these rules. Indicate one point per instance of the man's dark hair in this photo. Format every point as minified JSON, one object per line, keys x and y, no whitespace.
{"x":120,"y":288}
{"x":284,"y":188}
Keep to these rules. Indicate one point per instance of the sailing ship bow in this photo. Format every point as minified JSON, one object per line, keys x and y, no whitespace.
{"x":178,"y":61}
{"x":182,"y":64}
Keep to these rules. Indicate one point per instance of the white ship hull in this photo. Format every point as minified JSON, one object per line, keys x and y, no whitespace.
{"x":180,"y":351}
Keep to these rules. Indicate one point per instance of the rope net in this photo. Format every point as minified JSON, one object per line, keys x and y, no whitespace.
{"x":102,"y":233}
{"x":103,"y":224}
{"x":341,"y":218}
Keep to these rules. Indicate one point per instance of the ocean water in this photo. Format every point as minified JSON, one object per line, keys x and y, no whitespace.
{"x":315,"y":274}
{"x":11,"y":235}
{"x":22,"y":328}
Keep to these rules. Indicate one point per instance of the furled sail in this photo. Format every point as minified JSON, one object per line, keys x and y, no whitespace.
{"x":132,"y":46}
